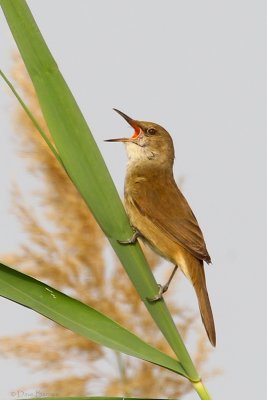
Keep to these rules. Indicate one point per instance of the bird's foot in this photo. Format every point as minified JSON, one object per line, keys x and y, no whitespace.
{"x":132,"y":240}
{"x":163,"y":288}
{"x":159,"y":295}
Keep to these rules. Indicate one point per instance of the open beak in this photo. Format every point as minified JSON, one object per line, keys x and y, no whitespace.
{"x":123,"y":139}
{"x":131,"y":122}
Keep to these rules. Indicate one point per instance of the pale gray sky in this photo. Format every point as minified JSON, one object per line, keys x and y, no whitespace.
{"x":198,"y":69}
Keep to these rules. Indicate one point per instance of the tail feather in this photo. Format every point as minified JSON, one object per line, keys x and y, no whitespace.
{"x":193,"y":269}
{"x":206,"y":313}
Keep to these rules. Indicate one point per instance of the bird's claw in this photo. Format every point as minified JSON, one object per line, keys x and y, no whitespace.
{"x":159,"y":296}
{"x":164,"y":288}
{"x":132,"y":240}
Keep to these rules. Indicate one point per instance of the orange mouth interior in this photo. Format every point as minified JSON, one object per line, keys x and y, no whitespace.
{"x":137,"y":131}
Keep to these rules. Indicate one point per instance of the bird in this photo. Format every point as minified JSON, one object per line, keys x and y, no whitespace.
{"x":159,"y":213}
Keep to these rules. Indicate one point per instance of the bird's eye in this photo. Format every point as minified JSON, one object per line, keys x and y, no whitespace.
{"x":151,"y":131}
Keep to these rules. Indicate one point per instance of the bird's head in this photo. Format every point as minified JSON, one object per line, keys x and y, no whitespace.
{"x":150,"y":142}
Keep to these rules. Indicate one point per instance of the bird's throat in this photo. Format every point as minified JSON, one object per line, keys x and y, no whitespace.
{"x":139,"y":154}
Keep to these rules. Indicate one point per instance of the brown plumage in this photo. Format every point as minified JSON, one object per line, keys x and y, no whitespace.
{"x":160,"y":213}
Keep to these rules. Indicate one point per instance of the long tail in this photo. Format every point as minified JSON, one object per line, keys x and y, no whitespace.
{"x":204,"y":305}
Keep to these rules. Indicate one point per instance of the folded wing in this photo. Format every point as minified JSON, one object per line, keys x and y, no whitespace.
{"x":180,"y":224}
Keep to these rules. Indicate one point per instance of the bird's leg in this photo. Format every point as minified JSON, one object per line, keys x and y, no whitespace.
{"x":133,"y":239}
{"x":164,"y":288}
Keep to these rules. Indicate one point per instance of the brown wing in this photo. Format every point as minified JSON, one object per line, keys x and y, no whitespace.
{"x":179,"y":222}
